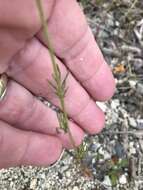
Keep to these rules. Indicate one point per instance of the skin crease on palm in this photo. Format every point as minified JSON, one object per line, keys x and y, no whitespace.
{"x":27,"y":127}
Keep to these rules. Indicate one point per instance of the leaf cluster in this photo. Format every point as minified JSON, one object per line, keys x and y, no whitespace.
{"x":60,"y":88}
{"x":116,"y":170}
{"x":59,"y":84}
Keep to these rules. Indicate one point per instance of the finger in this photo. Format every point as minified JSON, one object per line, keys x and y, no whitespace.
{"x":18,"y":147}
{"x":32,"y":68}
{"x":74,"y":43}
{"x":22,"y":110}
{"x":15,"y":30}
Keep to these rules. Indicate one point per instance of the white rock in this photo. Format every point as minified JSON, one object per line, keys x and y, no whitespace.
{"x":133,"y":151}
{"x":107,"y":156}
{"x":122,"y":179}
{"x":75,"y":188}
{"x":48,"y":185}
{"x":115,"y":103}
{"x":33,"y":184}
{"x":132,"y":148}
{"x":68,"y":174}
{"x":107,"y":181}
{"x":131,"y":144}
{"x":117,"y":23}
{"x":101,"y":151}
{"x":132,"y":83}
{"x":132,"y":122}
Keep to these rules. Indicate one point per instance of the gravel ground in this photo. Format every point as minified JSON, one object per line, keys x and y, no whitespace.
{"x":115,"y":157}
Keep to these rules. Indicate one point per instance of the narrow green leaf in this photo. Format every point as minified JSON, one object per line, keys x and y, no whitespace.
{"x":59,"y":72}
{"x":64,"y":81}
{"x":114,"y":178}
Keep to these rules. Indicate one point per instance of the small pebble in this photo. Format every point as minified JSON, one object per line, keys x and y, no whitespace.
{"x":33,"y":184}
{"x":75,"y":188}
{"x":68,"y":174}
{"x":107,"y":181}
{"x":132,"y":83}
{"x":122,"y":179}
{"x":132,"y":148}
{"x":115,"y":103}
{"x":132,"y":122}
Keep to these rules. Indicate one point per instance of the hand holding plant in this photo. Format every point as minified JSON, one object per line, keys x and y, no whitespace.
{"x":28,"y":132}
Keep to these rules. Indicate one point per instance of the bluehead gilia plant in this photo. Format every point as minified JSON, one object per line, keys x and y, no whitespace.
{"x":60,"y":89}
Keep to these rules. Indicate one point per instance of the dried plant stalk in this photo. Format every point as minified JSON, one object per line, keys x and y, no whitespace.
{"x":60,"y":88}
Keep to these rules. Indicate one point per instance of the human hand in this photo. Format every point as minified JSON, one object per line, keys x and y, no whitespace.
{"x":28,"y":132}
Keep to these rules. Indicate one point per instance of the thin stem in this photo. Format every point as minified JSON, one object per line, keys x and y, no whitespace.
{"x":59,"y":86}
{"x":51,"y":50}
{"x":58,"y":82}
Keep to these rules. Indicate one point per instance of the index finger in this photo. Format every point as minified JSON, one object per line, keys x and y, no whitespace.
{"x":74,"y":43}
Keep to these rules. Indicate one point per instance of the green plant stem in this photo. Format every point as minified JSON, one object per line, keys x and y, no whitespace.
{"x":46,"y":34}
{"x":59,"y":86}
{"x":51,"y":50}
{"x":56,"y":74}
